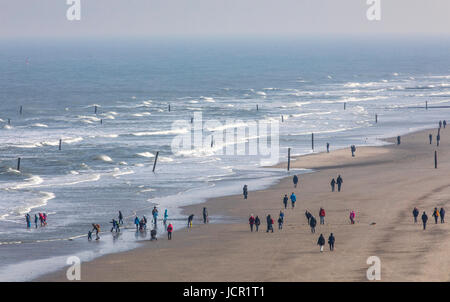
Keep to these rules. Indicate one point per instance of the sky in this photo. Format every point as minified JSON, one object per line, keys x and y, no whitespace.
{"x":135,"y":18}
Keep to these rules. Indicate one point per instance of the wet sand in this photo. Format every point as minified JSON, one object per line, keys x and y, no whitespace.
{"x":381,"y":184}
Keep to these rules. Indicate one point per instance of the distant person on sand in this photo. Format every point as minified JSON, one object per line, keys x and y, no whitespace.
{"x":440,"y":124}
{"x":293,"y":199}
{"x":328,"y":147}
{"x":444,"y":123}
{"x":257,"y":223}
{"x":245,"y":191}
{"x":442,"y":211}
{"x":424,"y":220}
{"x":281,"y":220}
{"x":312,"y":224}
{"x":205,"y":215}
{"x":435,"y":215}
{"x":322,"y":216}
{"x":430,"y":136}
{"x":308,"y":215}
{"x":415,"y":213}
{"x":321,"y":242}
{"x":269,"y":224}
{"x":353,"y":149}
{"x":190,"y":218}
{"x":295,"y":180}
{"x":120,"y":218}
{"x":251,"y":221}
{"x":332,"y":183}
{"x":339,"y":182}
{"x":352,"y":217}
{"x":331,"y":241}
{"x":169,"y":231}
{"x":285,"y":200}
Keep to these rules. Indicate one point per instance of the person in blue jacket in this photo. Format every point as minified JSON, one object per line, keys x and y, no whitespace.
{"x":136,"y":222}
{"x":293,"y":199}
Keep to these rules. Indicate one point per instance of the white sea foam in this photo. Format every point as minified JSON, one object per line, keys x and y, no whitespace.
{"x":146,"y":154}
{"x":104,"y":158}
{"x":162,"y":132}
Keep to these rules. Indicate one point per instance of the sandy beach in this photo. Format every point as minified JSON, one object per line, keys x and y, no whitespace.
{"x":381,"y":184}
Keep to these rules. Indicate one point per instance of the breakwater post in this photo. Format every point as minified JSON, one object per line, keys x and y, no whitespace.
{"x":156,"y":159}
{"x":289,"y":159}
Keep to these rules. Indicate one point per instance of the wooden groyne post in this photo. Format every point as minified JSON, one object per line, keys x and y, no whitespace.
{"x":435,"y":159}
{"x":156,"y":159}
{"x":426,"y":105}
{"x":95,"y":109}
{"x":312,"y":141}
{"x":257,"y":107}
{"x":20,"y":110}
{"x":18,"y":164}
{"x":169,"y":107}
{"x":376,"y":118}
{"x":289,"y":159}
{"x":345,"y":104}
{"x":60,"y":144}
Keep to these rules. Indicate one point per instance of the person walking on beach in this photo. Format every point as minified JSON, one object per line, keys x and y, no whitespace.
{"x":166,"y":216}
{"x":415,"y":213}
{"x":169,"y":231}
{"x":257,"y":222}
{"x":440,"y":124}
{"x":136,"y":222}
{"x":114,"y":226}
{"x":328,"y":147}
{"x":285,"y":200}
{"x":205,"y":215}
{"x":424,"y":220}
{"x":281,"y":220}
{"x":321,"y":242}
{"x":295,"y":180}
{"x":339,"y":182}
{"x":269,"y":224}
{"x":89,"y":235}
{"x":190,"y":218}
{"x":444,"y":123}
{"x":430,"y":136}
{"x":28,"y":220}
{"x":352,"y":217}
{"x":322,"y":216}
{"x":442,"y":211}
{"x":353,"y":149}
{"x":312,"y":224}
{"x":332,"y":183}
{"x":438,"y":139}
{"x":435,"y":215}
{"x":251,"y":222}
{"x":308,"y":215}
{"x":36,"y":219}
{"x":293,"y":199}
{"x":245,"y":191}
{"x":331,"y":241}
{"x":155,"y":215}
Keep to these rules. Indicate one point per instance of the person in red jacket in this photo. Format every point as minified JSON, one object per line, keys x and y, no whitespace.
{"x":322,"y":216}
{"x":251,"y":221}
{"x":169,"y":231}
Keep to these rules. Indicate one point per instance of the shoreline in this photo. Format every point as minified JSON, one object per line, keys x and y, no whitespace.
{"x":231,"y":206}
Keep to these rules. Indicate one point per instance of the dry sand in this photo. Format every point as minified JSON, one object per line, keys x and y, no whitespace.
{"x":381,"y":184}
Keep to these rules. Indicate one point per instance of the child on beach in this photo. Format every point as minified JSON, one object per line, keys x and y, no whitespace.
{"x":352,"y":217}
{"x":169,"y":231}
{"x":89,"y":235}
{"x":190,"y":218}
{"x":415,"y":213}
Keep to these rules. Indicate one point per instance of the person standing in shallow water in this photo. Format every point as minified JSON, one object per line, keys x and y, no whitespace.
{"x":332,"y":183}
{"x":245,"y":191}
{"x":442,"y":211}
{"x":205,"y":215}
{"x":36,"y":219}
{"x":321,"y":242}
{"x":339,"y":182}
{"x":285,"y":200}
{"x":120,"y":218}
{"x":415,"y":213}
{"x":424,"y":220}
{"x":295,"y":180}
{"x":331,"y":241}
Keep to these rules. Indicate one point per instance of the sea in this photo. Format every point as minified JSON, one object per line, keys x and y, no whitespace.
{"x":108,"y":100}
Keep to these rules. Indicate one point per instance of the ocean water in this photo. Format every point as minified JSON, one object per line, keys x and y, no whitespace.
{"x":106,"y":160}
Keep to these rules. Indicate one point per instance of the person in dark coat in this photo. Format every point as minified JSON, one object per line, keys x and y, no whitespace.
{"x":285,"y":200}
{"x":424,"y":220}
{"x":295,"y":180}
{"x":415,"y":213}
{"x":438,"y":139}
{"x":257,"y":223}
{"x":312,"y":224}
{"x":308,"y":215}
{"x":321,"y":242}
{"x":205,"y":215}
{"x":251,"y":221}
{"x":332,"y":183}
{"x":444,"y":123}
{"x":331,"y":241}
{"x":245,"y":191}
{"x":328,"y":147}
{"x":440,"y":124}
{"x":430,"y":136}
{"x":269,"y":223}
{"x":339,"y":182}
{"x":190,"y":219}
{"x":442,"y":211}
{"x":436,"y":215}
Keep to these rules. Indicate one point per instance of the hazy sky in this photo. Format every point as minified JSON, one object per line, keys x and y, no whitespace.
{"x":39,"y":18}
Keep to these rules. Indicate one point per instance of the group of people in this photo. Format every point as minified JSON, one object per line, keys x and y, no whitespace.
{"x":436,"y":215}
{"x":339,"y":181}
{"x":293,"y":199}
{"x":40,"y":217}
